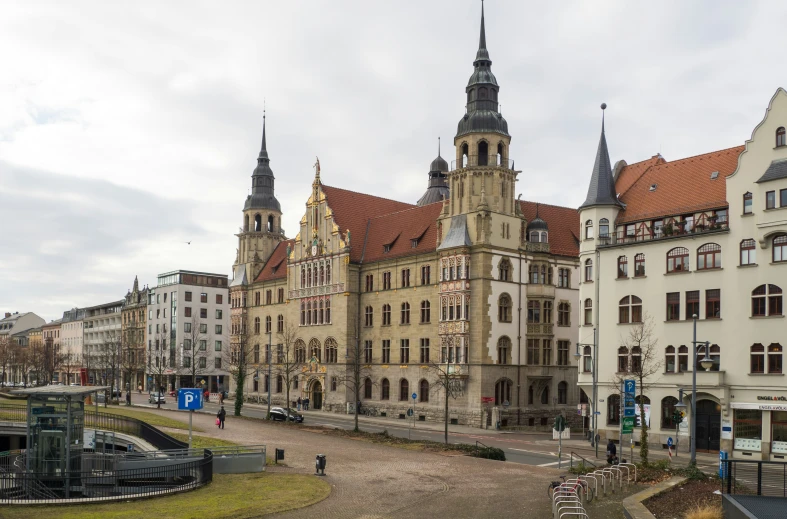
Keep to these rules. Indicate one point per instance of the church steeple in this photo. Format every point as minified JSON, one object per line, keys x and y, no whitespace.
{"x":482,"y":53}
{"x":262,"y":180}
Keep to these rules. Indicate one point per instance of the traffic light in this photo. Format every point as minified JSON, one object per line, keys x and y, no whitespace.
{"x":677,"y":417}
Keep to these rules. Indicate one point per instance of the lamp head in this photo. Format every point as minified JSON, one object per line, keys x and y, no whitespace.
{"x":680,"y":405}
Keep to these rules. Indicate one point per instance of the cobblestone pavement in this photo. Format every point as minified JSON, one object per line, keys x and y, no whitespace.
{"x":375,"y":481}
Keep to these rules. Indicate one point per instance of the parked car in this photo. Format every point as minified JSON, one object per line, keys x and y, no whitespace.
{"x":280,"y":414}
{"x":156,"y":398}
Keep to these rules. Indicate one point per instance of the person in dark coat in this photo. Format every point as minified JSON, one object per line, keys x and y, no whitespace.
{"x":306,"y":404}
{"x":612,"y":452}
{"x":222,"y":414}
{"x":299,"y":403}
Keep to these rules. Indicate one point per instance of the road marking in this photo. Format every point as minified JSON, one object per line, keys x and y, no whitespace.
{"x":543,"y":453}
{"x":553,"y":463}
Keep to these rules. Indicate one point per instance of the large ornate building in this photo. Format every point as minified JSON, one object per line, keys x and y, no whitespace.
{"x":471,"y":279}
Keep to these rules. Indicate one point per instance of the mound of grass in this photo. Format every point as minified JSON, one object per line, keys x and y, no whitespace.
{"x":201,"y":442}
{"x":236,"y":496}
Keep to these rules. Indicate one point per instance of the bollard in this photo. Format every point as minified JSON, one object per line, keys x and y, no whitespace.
{"x":320,"y":465}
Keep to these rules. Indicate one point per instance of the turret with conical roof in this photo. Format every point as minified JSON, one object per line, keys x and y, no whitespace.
{"x":437,"y":189}
{"x":602,"y":182}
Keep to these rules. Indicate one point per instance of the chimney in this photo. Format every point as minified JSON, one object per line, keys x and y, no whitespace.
{"x":7,"y":315}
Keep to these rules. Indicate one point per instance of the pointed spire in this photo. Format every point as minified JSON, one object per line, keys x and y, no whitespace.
{"x":482,"y":204}
{"x":482,"y":52}
{"x":136,"y":284}
{"x":264,"y":148}
{"x":602,"y":184}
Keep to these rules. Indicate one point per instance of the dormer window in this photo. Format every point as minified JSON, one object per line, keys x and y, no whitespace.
{"x":781,"y":137}
{"x":387,"y":248}
{"x":534,"y":236}
{"x":414,"y":243}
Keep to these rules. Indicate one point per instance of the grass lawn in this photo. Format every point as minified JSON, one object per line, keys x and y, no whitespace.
{"x":236,"y":496}
{"x":200,"y":442}
{"x":152,"y":419}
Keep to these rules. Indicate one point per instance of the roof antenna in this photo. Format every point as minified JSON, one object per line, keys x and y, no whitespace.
{"x":438,"y":146}
{"x":603,"y":107}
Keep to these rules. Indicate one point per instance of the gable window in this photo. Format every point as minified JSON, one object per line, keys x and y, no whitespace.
{"x":781,"y":139}
{"x":673,"y":306}
{"x":775,"y":358}
{"x":563,"y":314}
{"x":713,"y":304}
{"x":630,"y":310}
{"x":639,"y":265}
{"x":623,"y":267}
{"x":386,"y":315}
{"x":747,"y":203}
{"x":709,"y":257}
{"x":669,"y":359}
{"x":780,"y":248}
{"x":588,"y":311}
{"x":678,"y":260}
{"x":692,"y":304}
{"x":589,"y":229}
{"x":588,"y":270}
{"x":766,"y":300}
{"x":504,"y":270}
{"x":603,"y":228}
{"x":757,"y":359}
{"x":504,"y":308}
{"x":748,"y":252}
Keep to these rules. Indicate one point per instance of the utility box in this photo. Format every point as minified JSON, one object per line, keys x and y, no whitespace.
{"x":279,"y":455}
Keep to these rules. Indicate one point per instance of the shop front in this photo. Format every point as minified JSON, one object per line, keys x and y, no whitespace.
{"x":759,"y":428}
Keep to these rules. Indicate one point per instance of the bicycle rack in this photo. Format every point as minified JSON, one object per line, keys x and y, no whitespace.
{"x":578,"y":486}
{"x":626,"y":466}
{"x":604,"y":477}
{"x":595,"y":482}
{"x":573,"y":512}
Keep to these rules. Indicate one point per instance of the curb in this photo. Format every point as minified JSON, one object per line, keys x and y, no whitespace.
{"x":632,"y":505}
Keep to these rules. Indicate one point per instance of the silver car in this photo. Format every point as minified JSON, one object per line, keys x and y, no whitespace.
{"x":155,"y":398}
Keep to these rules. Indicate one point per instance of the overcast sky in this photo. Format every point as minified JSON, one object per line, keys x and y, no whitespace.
{"x":127,"y":129}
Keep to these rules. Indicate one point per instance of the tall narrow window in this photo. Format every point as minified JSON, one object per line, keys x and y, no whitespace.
{"x":562,"y":353}
{"x":369,"y":316}
{"x":623,"y":310}
{"x":757,"y":359}
{"x":780,"y":248}
{"x":623,"y":359}
{"x":587,"y":360}
{"x":775,"y":358}
{"x":709,"y":257}
{"x":504,"y":270}
{"x":546,"y":356}
{"x":533,"y":312}
{"x":385,"y":389}
{"x":533,"y":347}
{"x":589,"y":229}
{"x":404,"y":390}
{"x":503,"y":350}
{"x":613,"y":410}
{"x":588,"y":270}
{"x":639,"y":265}
{"x":669,"y":359}
{"x":504,"y":308}
{"x":781,"y":138}
{"x":424,"y":351}
{"x":426,"y":274}
{"x":673,"y":306}
{"x":405,"y":313}
{"x":747,"y":203}
{"x":713,"y":304}
{"x":770,"y":200}
{"x":425,"y":311}
{"x":623,"y":267}
{"x":748,"y":252}
{"x":386,"y":315}
{"x":603,"y":228}
{"x":588,"y":311}
{"x":678,"y":260}
{"x":692,"y":304}
{"x":546,"y":315}
{"x":564,"y":314}
{"x":683,"y":359}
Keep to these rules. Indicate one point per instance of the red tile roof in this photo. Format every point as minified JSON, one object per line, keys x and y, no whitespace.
{"x":414,"y":223}
{"x":353,"y":211}
{"x":563,"y":223}
{"x":276,"y":268}
{"x":682,"y":186}
{"x":631,"y":173}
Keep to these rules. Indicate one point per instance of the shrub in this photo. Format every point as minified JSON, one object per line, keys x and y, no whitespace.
{"x":705,"y":512}
{"x":490,"y":453}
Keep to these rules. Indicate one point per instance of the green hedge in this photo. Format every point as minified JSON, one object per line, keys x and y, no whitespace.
{"x":490,"y":453}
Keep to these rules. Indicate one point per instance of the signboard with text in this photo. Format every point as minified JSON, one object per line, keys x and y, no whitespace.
{"x":189,"y":399}
{"x":629,"y":406}
{"x":628,"y":424}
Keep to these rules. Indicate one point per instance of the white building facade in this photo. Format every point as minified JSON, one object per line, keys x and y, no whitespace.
{"x":704,"y":236}
{"x":101,"y":327}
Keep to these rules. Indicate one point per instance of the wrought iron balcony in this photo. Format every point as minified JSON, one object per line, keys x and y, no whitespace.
{"x":492,"y":160}
{"x":624,"y":237}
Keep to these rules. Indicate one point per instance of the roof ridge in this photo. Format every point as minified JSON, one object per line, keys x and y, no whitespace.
{"x":548,"y":205}
{"x":367,"y":194}
{"x":666,"y":162}
{"x":405,"y":210}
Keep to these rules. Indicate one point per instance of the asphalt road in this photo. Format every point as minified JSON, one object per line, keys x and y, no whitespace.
{"x":518,"y":447}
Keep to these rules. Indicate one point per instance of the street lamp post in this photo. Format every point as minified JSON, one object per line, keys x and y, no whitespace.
{"x":269,"y":355}
{"x":594,"y":373}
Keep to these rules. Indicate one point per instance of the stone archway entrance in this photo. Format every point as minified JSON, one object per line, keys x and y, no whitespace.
{"x":708,"y":425}
{"x":315,"y":399}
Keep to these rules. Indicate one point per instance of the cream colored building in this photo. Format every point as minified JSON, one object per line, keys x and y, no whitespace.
{"x":705,"y":235}
{"x":101,"y":331}
{"x":471,"y":278}
{"x":71,"y":337}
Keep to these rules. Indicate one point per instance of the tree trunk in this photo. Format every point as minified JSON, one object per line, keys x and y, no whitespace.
{"x":446,"y":411}
{"x":643,"y":437}
{"x":240,"y":382}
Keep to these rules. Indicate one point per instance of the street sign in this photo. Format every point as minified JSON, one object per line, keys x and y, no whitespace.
{"x":189,"y":399}
{"x":669,"y":441}
{"x":560,"y":423}
{"x":415,"y":395}
{"x":628,"y":424}
{"x":630,"y":386}
{"x":410,"y":412}
{"x":629,"y":411}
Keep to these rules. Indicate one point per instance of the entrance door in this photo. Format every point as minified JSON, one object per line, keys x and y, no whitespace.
{"x":708,"y":425}
{"x":316,"y":399}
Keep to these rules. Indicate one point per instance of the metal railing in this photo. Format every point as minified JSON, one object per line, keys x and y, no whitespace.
{"x":587,"y":463}
{"x":106,"y":422}
{"x":491,"y":160}
{"x":105,"y":485}
{"x":623,"y":237}
{"x":763,"y":478}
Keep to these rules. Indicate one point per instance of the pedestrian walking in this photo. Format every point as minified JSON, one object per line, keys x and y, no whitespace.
{"x":221,"y":415}
{"x":612,"y":452}
{"x":139,"y":388}
{"x":299,"y":403}
{"x":306,"y":404}
{"x":221,"y":397}
{"x":128,"y":397}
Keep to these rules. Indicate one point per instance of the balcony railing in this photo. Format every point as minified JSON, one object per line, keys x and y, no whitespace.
{"x":482,"y":160}
{"x":624,"y":237}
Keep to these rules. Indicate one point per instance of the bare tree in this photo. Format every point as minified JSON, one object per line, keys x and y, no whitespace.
{"x":109,"y":360}
{"x":68,"y":360}
{"x":194,"y":354}
{"x":644,"y":361}
{"x":39,"y":361}
{"x":21,"y":361}
{"x":446,"y":378}
{"x":356,"y":369}
{"x":239,"y":359}
{"x":6,"y":357}
{"x":289,"y":360}
{"x":159,"y":360}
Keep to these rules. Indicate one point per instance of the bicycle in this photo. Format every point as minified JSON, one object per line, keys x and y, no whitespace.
{"x":578,"y":486}
{"x":370,"y":411}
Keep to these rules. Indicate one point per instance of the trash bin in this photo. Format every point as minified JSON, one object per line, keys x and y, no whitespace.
{"x":279,"y":455}
{"x":320,"y":465}
{"x":723,"y":465}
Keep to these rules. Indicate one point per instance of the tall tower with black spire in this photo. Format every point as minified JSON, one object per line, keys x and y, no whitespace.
{"x":261,"y":230}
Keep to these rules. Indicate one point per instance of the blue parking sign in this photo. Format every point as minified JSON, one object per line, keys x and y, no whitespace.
{"x":630,"y":386}
{"x":189,"y":399}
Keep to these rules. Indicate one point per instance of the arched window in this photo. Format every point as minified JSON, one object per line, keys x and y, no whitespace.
{"x":669,"y":359}
{"x":630,"y":310}
{"x":405,"y":313}
{"x":404,"y":390}
{"x":781,"y":138}
{"x":503,"y":391}
{"x":328,"y":311}
{"x":331,"y":350}
{"x":246,"y":223}
{"x":535,"y":236}
{"x":775,"y":358}
{"x":267,"y":324}
{"x":315,"y":350}
{"x":504,"y":350}
{"x":668,"y":412}
{"x":588,"y":311}
{"x":639,"y":265}
{"x":257,"y":325}
{"x":270,"y":223}
{"x":588,"y":270}
{"x":368,"y":316}
{"x":623,"y":359}
{"x":385,"y":389}
{"x":257,"y":222}
{"x":423,"y":390}
{"x":280,"y":323}
{"x":709,"y":256}
{"x":504,"y":308}
{"x":623,"y":267}
{"x":757,"y":358}
{"x":766,"y":300}
{"x":587,"y":360}
{"x":533,"y":312}
{"x":603,"y":228}
{"x":483,"y":147}
{"x":748,"y":252}
{"x":367,"y":388}
{"x":780,"y":248}
{"x":564,"y":314}
{"x":300,"y":351}
{"x":465,"y":153}
{"x":683,"y":359}
{"x":678,"y":260}
{"x":547,"y":315}
{"x":322,"y":274}
{"x":544,"y":237}
{"x":589,"y":229}
{"x":613,"y":410}
{"x":303,"y":277}
{"x":504,"y":270}
{"x":636,"y":359}
{"x":545,"y":395}
{"x":747,"y":203}
{"x":562,"y":393}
